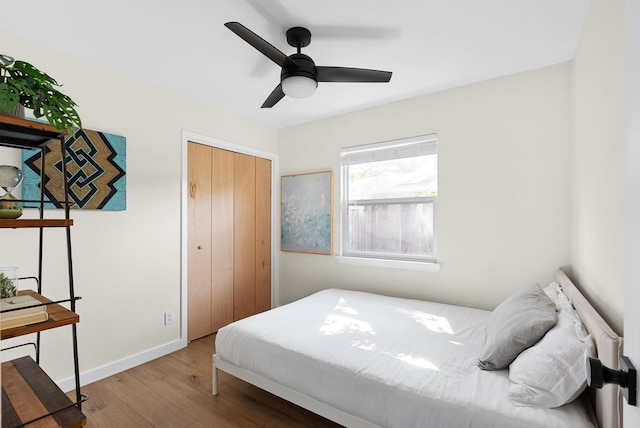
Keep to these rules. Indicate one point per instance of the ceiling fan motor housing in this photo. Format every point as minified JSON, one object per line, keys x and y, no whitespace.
{"x":298,"y":37}
{"x":306,"y":67}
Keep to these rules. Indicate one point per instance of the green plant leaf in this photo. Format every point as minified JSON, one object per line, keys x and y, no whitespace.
{"x":21,"y":85}
{"x":5,"y":60}
{"x":9,"y":97}
{"x":38,"y":75}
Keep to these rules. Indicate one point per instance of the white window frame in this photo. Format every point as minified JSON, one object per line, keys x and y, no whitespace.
{"x":387,"y":150}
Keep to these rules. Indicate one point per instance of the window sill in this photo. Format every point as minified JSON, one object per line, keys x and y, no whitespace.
{"x":395,"y":264}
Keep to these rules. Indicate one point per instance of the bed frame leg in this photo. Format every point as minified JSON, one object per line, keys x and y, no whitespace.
{"x":214,"y":376}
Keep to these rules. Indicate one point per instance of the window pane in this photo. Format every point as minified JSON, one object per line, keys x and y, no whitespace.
{"x":396,"y":178}
{"x":389,"y":197}
{"x":394,"y":229}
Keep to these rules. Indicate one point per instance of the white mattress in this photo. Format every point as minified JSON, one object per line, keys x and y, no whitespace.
{"x":395,"y":362}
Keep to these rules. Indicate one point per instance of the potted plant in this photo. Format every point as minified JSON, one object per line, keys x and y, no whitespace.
{"x":23,"y":84}
{"x":7,"y":287}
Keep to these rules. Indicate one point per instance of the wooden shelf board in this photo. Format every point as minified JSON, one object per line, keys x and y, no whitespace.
{"x":28,"y":393}
{"x":26,"y":134}
{"x":19,"y":223}
{"x":58,"y":316}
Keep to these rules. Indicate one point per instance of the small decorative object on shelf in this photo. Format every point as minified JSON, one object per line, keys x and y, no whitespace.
{"x":20,"y":311}
{"x":8,"y":282}
{"x":23,"y":84}
{"x":17,"y":310}
{"x":10,"y":178}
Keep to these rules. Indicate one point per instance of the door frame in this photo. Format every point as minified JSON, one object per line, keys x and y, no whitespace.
{"x":189,"y":136}
{"x":631,"y":414}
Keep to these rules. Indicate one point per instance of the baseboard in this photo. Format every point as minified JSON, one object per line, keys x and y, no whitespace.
{"x":118,"y":366}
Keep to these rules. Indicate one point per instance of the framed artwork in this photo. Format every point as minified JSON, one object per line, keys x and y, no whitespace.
{"x":307,"y":212}
{"x":96,"y":170}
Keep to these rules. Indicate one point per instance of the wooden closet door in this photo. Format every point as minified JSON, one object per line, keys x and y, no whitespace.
{"x":229,"y":238}
{"x":263,"y":235}
{"x":222,"y":230}
{"x":244,"y":252}
{"x":199,"y":240}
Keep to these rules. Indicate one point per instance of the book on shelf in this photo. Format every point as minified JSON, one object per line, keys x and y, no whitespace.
{"x":29,"y":314}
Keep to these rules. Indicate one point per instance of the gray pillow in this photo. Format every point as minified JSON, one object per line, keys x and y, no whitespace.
{"x":516,"y":324}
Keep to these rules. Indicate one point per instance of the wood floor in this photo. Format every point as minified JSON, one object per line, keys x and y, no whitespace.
{"x":175,"y":391}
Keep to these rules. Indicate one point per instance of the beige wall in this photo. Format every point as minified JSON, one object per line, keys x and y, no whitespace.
{"x":127,"y":263}
{"x":597,"y":192}
{"x":504,"y":184}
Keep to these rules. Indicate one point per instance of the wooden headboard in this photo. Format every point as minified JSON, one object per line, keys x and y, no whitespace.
{"x":607,"y":401}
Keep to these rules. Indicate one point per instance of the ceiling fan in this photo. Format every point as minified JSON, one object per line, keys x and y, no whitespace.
{"x":300,"y":75}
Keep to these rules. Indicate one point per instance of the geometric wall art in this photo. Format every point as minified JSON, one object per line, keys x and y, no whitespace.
{"x":96,"y":171}
{"x":306,"y":212}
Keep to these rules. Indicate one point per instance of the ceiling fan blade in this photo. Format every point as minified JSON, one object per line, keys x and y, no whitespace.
{"x":267,"y":49}
{"x":275,"y":96}
{"x":347,"y":74}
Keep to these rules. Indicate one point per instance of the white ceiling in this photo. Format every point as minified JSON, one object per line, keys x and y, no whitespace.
{"x":183,"y":46}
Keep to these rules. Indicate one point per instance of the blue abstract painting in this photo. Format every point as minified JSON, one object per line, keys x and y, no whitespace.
{"x":307,"y":212}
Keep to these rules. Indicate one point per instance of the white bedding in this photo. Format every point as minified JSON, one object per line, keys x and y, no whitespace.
{"x":394,"y":362}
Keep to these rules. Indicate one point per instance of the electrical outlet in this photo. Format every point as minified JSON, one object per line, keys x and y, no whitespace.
{"x":169,"y":317}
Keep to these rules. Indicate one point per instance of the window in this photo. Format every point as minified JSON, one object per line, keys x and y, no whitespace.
{"x":389,"y":193}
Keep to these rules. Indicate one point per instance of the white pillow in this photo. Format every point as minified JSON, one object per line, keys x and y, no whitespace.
{"x":552,"y":372}
{"x":516,"y":324}
{"x":554,"y":291}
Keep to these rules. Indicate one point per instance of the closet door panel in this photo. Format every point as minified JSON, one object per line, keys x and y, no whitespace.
{"x":222,"y":227}
{"x":244,"y":236}
{"x":263,"y":235}
{"x":199,"y":240}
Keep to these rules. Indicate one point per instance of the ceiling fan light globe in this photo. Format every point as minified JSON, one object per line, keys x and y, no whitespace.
{"x":299,"y":86}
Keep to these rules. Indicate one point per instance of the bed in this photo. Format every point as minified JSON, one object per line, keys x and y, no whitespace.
{"x":366,"y":360}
